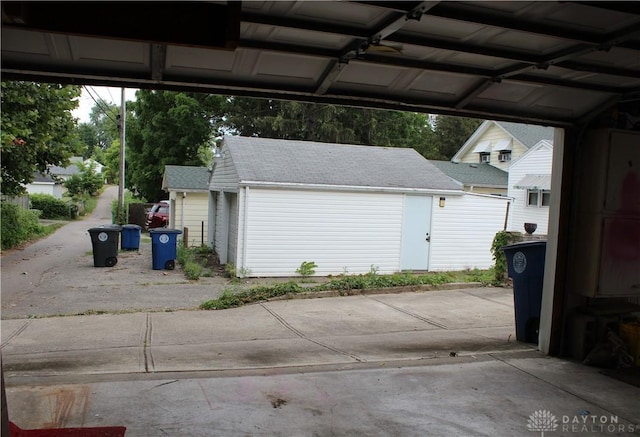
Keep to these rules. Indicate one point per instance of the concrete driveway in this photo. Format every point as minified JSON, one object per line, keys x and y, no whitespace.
{"x":440,"y":362}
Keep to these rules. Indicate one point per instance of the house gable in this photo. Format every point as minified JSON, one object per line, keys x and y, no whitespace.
{"x":501,"y":143}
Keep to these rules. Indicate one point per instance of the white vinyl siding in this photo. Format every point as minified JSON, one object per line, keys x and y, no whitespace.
{"x":55,"y":190}
{"x":339,"y":231}
{"x":233,"y":228}
{"x":536,"y":162}
{"x":220,"y":244}
{"x":463,"y":231}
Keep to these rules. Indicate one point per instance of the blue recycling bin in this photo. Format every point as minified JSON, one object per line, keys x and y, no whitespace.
{"x":164,"y":248}
{"x":130,"y":237}
{"x":104,"y":241}
{"x":525,"y":264}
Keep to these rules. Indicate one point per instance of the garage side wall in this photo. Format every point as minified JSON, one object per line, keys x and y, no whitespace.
{"x":342,"y":232}
{"x":463,"y":231}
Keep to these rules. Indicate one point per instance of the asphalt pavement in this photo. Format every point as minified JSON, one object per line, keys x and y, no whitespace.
{"x":428,"y":362}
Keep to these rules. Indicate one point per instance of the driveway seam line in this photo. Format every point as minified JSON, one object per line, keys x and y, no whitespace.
{"x":304,"y":337}
{"x":15,"y":334}
{"x":409,"y":313}
{"x":148,"y":357}
{"x":486,"y":298}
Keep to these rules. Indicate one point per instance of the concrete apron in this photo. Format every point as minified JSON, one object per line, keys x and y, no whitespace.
{"x":434,"y":363}
{"x":492,"y":395}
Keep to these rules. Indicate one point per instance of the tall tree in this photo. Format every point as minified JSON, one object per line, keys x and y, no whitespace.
{"x":38,"y":129}
{"x":452,"y":132}
{"x":329,"y":123}
{"x":168,"y":128}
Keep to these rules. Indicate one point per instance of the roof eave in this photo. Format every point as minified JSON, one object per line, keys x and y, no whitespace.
{"x":319,"y":187}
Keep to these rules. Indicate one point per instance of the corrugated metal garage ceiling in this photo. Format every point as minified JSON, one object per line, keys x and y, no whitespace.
{"x":547,"y":62}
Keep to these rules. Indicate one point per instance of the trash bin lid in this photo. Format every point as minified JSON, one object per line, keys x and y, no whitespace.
{"x":106,"y":228}
{"x":164,"y":231}
{"x":524,"y":244}
{"x":131,"y":226}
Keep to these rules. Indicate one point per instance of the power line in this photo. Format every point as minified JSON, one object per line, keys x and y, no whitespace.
{"x":101,"y":104}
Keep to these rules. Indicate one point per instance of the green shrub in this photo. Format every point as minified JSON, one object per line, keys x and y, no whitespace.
{"x":17,"y":225}
{"x":192,"y":270}
{"x":500,"y":240}
{"x":51,"y":207}
{"x":87,"y":182}
{"x":123,"y":219}
{"x":306,"y":269}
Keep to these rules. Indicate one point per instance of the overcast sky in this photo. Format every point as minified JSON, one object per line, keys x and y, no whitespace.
{"x":110,"y":95}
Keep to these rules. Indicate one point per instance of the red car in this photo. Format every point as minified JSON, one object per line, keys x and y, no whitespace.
{"x":158,"y":216}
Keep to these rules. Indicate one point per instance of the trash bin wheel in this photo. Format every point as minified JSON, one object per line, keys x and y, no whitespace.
{"x":170,"y":265}
{"x":111,"y":261}
{"x":532,"y":329}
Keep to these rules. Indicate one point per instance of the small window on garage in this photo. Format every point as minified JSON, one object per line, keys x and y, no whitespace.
{"x":485,"y":157}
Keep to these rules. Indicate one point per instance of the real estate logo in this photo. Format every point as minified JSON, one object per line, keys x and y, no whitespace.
{"x":581,"y":424}
{"x":542,"y":420}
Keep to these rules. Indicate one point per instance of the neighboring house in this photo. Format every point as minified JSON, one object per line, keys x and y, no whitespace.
{"x":348,"y":208}
{"x":64,"y":173}
{"x":476,"y":178}
{"x":530,"y":188}
{"x":503,"y":145}
{"x":97,"y":167}
{"x":499,"y":143}
{"x":45,"y":184}
{"x":188,"y":189}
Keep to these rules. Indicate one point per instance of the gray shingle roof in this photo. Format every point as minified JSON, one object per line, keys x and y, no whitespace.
{"x":40,"y":177}
{"x":528,"y":134}
{"x":184,"y":177}
{"x":306,"y":162}
{"x":474,"y":174}
{"x":64,"y":171}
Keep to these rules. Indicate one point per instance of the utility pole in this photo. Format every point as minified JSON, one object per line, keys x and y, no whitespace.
{"x":121,"y":127}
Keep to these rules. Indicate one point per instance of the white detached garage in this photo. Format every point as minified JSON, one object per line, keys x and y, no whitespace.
{"x":348,"y":208}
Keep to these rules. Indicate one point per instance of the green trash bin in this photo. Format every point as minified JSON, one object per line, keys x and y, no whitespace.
{"x":104,"y":240}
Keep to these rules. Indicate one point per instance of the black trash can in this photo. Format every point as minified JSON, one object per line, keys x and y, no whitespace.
{"x":104,"y":240}
{"x":525,"y":263}
{"x":131,"y":237}
{"x":164,"y":249}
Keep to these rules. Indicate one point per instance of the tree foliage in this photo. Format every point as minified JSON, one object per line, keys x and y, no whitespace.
{"x":329,"y":123}
{"x":37,"y":128}
{"x":87,"y":182}
{"x":452,"y":132}
{"x":167,"y":128}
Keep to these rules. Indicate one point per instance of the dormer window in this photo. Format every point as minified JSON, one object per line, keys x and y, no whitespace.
{"x":503,"y":147}
{"x":485,"y":157}
{"x":504,"y":156}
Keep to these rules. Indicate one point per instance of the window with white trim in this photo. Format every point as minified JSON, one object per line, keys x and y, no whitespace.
{"x":504,"y":156}
{"x":538,"y":198}
{"x":485,"y":157}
